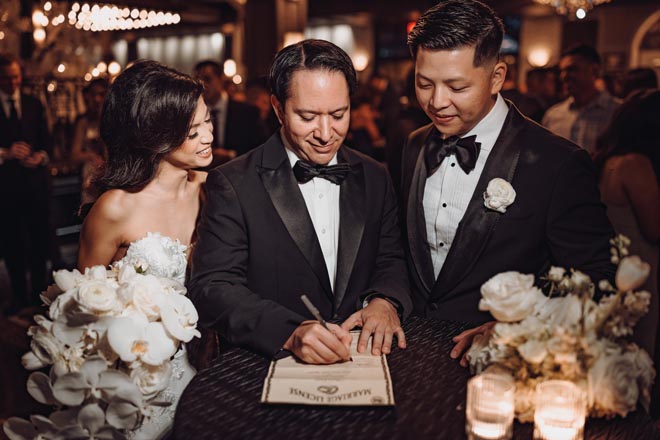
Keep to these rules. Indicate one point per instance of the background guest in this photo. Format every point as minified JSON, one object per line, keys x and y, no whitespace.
{"x":629,"y":188}
{"x":410,"y":118}
{"x":258,"y":95}
{"x":583,"y":116}
{"x":542,"y":83}
{"x":528,"y":105}
{"x":88,"y":148}
{"x":236,"y":127}
{"x":24,"y":186}
{"x":642,"y":78}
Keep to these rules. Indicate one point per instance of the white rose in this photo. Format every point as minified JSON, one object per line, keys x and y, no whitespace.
{"x":97,"y":297}
{"x":509,"y":333}
{"x":613,"y":384}
{"x":645,"y":369}
{"x":631,"y":273}
{"x":580,"y":279}
{"x":510,"y":296}
{"x":499,"y":195}
{"x":61,"y":304}
{"x":96,"y":273}
{"x":180,"y":318}
{"x":556,"y":273}
{"x":146,"y":294}
{"x":151,"y":379}
{"x":67,"y":280}
{"x":564,"y":311}
{"x":533,"y":351}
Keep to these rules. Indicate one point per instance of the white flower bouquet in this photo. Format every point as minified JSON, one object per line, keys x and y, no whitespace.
{"x":109,"y":338}
{"x":569,"y":335}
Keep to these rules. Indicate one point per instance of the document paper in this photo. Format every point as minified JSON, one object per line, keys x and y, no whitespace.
{"x":365,"y":381}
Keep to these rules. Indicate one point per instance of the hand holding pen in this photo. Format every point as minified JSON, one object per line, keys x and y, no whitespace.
{"x":316,"y":343}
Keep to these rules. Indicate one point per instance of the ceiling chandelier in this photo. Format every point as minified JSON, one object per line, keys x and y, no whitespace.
{"x":570,"y":7}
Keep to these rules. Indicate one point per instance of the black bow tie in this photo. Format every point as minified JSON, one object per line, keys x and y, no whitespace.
{"x":306,"y":171}
{"x":465,"y":149}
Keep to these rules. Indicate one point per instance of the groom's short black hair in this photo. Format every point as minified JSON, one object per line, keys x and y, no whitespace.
{"x":455,"y":24}
{"x":309,"y":55}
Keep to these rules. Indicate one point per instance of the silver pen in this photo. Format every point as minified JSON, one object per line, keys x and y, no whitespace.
{"x":317,"y":315}
{"x":314,"y":311}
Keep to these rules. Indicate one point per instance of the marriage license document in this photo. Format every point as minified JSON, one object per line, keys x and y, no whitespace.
{"x":364,"y":381}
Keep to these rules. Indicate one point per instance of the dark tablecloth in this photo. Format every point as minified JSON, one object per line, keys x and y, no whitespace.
{"x":222,"y":401}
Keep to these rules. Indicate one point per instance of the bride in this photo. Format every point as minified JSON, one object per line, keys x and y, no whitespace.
{"x":157,"y":130}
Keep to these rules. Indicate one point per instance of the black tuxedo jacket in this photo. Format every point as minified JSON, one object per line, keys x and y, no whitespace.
{"x":257,"y":250}
{"x":556,"y":219}
{"x":243,"y":129}
{"x":32,"y":129}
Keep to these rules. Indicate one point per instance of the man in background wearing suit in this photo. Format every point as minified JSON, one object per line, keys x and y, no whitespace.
{"x":302,"y":214}
{"x":24,"y":186}
{"x":461,"y":231}
{"x":236,"y":125}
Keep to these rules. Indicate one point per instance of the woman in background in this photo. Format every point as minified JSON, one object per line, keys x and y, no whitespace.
{"x":629,"y":187}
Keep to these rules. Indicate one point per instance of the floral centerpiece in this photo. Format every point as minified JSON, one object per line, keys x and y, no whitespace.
{"x":569,"y":335}
{"x":108,"y":340}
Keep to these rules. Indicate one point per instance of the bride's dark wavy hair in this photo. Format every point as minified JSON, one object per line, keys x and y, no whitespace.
{"x":147,"y":114}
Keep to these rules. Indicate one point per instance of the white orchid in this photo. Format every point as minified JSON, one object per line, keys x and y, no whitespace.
{"x":145,"y":341}
{"x":93,"y":380}
{"x":180,"y":317}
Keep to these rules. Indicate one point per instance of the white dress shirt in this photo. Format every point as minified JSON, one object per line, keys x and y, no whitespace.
{"x":322,"y":200}
{"x":448,"y":191}
{"x":5,"y":102}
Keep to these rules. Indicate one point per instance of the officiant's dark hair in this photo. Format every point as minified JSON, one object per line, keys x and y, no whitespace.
{"x":308,"y":55}
{"x":455,"y":24}
{"x":148,"y":113}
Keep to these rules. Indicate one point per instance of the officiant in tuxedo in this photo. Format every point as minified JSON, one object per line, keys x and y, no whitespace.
{"x":24,"y":187}
{"x":302,"y":214}
{"x":484,"y":189}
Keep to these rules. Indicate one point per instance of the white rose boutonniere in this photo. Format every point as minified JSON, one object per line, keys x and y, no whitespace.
{"x":499,"y":195}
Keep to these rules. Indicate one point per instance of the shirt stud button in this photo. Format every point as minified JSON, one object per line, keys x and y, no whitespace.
{"x":453,"y":164}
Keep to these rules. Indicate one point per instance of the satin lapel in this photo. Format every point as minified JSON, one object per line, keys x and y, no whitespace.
{"x":479,"y":222}
{"x":415,"y":221}
{"x":284,"y":192}
{"x":352,"y":217}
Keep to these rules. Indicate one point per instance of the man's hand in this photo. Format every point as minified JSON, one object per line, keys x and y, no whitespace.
{"x":19,"y":150}
{"x":313,"y":344}
{"x":34,"y":160}
{"x":464,"y":341}
{"x":380,"y":319}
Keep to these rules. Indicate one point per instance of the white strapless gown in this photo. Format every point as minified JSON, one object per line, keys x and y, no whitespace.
{"x":162,"y":256}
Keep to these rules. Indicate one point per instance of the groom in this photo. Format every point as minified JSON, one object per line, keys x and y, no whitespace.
{"x":279,"y":223}
{"x":461,"y":231}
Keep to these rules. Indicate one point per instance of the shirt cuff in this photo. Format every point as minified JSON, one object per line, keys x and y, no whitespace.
{"x":393,"y":301}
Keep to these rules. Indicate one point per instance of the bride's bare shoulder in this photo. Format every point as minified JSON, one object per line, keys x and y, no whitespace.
{"x":114,"y":205}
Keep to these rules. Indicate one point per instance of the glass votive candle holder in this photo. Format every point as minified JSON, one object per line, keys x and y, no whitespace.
{"x":560,"y":411}
{"x":489,"y":407}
